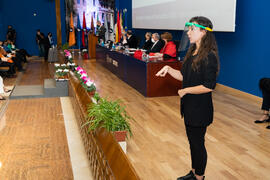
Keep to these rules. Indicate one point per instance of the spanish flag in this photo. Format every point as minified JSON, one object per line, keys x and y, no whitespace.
{"x":72,"y":40}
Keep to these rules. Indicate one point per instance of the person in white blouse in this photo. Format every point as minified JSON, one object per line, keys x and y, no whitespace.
{"x":3,"y":89}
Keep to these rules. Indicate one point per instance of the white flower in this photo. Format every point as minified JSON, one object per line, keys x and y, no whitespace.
{"x":69,"y":57}
{"x":56,"y":65}
{"x":59,"y":70}
{"x":83,"y":75}
{"x":80,"y":70}
{"x":63,"y":65}
{"x":72,"y":64}
{"x":65,"y":70}
{"x":89,"y":83}
{"x":68,"y":63}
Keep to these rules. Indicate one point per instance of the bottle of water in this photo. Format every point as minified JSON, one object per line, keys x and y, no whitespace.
{"x":144,"y":56}
{"x":126,"y":51}
{"x":113,"y":47}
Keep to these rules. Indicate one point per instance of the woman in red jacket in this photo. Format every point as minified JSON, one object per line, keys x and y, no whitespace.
{"x":169,"y":49}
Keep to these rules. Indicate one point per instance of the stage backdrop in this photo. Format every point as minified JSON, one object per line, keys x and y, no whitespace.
{"x":173,"y":14}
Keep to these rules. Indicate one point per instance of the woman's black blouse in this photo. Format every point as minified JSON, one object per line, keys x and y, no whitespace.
{"x":197,"y":109}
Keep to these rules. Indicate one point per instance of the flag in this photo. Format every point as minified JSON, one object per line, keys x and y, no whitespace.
{"x":79,"y":32}
{"x":125,"y":19}
{"x":72,"y":40}
{"x":92,"y":25}
{"x":84,"y":30}
{"x":116,"y":33}
{"x":118,"y":27}
{"x":106,"y":27}
{"x":111,"y":30}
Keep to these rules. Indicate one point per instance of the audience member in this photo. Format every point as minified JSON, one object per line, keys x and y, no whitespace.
{"x":3,"y":89}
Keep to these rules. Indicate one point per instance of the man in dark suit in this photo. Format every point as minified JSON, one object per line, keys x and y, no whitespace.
{"x":158,"y":44}
{"x":130,"y":40}
{"x":101,"y":30}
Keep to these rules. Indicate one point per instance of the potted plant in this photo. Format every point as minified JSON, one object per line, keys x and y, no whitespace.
{"x":110,"y":115}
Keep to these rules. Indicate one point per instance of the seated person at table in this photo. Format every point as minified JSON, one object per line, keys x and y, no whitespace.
{"x":130,"y":40}
{"x":169,"y":49}
{"x":157,"y":44}
{"x":148,"y":41}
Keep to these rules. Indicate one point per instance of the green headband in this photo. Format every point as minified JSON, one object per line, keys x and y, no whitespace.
{"x":197,"y":25}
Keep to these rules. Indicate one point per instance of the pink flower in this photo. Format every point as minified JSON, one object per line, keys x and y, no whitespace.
{"x":78,"y":68}
{"x":84,"y":78}
{"x":83,"y":72}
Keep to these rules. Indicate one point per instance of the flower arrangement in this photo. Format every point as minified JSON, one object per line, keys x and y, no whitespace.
{"x":61,"y":73}
{"x":84,"y":79}
{"x":68,"y":55}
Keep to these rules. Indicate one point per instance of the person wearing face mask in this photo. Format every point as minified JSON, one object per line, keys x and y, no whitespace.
{"x":148,"y":41}
{"x":158,"y":44}
{"x":199,"y":75}
{"x":101,"y":30}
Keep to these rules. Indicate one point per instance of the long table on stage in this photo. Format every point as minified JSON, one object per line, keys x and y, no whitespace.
{"x":140,"y":74}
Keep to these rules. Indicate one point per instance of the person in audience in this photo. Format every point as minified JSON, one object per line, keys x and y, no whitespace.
{"x":7,"y":62}
{"x":39,"y":39}
{"x":10,"y":58}
{"x":148,"y":41}
{"x":3,"y":89}
{"x":265,"y":88}
{"x":169,"y":49}
{"x":11,"y":34}
{"x":101,"y":30}
{"x":5,"y":46}
{"x":130,"y":40}
{"x":158,"y":44}
{"x":199,"y":73}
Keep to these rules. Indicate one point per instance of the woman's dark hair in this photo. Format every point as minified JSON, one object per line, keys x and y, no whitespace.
{"x":208,"y":43}
{"x":264,"y":84}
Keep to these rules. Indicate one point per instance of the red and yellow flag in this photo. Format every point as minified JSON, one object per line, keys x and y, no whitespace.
{"x":72,"y":40}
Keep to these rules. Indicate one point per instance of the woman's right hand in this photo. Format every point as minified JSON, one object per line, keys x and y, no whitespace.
{"x":163,"y":71}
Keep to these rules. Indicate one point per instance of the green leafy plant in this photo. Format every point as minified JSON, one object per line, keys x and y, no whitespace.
{"x":109,"y":115}
{"x":65,"y":46}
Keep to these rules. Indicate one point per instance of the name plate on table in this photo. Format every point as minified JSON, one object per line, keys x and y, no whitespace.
{"x":115,"y":63}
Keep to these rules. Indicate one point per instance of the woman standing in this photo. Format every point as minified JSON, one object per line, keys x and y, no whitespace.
{"x":199,"y":74}
{"x":265,"y":87}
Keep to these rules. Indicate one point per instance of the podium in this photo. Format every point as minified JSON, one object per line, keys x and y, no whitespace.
{"x":92,"y":42}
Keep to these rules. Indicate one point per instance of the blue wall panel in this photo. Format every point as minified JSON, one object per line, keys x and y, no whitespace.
{"x":22,"y":18}
{"x":243,"y":55}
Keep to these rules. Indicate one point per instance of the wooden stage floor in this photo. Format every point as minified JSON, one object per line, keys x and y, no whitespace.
{"x":237,"y":148}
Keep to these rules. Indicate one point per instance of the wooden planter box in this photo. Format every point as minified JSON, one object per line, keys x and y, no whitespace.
{"x":106,"y":158}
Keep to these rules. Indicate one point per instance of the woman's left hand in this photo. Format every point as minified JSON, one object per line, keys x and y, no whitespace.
{"x":182,"y":92}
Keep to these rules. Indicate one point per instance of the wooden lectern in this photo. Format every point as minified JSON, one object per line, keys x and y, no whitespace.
{"x":92,"y":42}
